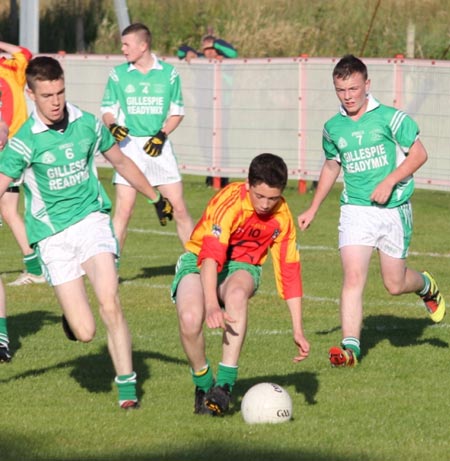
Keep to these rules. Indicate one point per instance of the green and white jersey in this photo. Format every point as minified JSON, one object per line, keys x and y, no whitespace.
{"x":369,"y":149}
{"x":142,"y":102}
{"x":60,"y":177}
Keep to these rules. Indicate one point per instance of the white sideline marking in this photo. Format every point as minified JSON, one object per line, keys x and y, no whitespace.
{"x":302,"y":248}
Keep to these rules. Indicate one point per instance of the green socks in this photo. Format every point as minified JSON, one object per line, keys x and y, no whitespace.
{"x":353,"y":344}
{"x":126,"y":384}
{"x":32,"y":264}
{"x":227,"y":374}
{"x":3,"y":332}
{"x":203,"y":379}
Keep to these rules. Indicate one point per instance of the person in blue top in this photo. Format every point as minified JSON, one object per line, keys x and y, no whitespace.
{"x":214,"y":49}
{"x":379,"y":149}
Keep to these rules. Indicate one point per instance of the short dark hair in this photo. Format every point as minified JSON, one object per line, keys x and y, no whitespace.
{"x":349,"y":65}
{"x":43,"y":69}
{"x":269,"y":169}
{"x":142,"y":30}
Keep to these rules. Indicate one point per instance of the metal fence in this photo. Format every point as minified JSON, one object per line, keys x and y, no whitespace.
{"x":240,"y":108}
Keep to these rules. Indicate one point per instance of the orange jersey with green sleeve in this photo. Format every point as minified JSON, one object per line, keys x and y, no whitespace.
{"x":230,"y":229}
{"x":12,"y":83}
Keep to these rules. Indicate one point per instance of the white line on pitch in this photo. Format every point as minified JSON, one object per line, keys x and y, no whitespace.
{"x":302,"y":247}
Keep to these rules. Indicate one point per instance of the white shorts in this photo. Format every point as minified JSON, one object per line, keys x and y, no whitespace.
{"x":63,"y":254}
{"x":386,"y":229}
{"x":158,"y":170}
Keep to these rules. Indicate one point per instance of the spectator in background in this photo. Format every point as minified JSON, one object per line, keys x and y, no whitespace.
{"x":212,"y":48}
{"x":13,"y":109}
{"x":142,"y":104}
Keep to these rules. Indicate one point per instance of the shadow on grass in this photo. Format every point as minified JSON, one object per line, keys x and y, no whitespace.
{"x":22,"y":325}
{"x":399,"y":331}
{"x":21,"y":447}
{"x":93,"y":372}
{"x":149,"y":272}
{"x":305,"y":383}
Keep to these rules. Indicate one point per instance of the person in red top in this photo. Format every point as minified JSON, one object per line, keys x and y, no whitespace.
{"x":13,"y":111}
{"x":221,"y":271}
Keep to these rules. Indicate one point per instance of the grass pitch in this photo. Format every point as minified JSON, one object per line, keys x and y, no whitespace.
{"x":58,"y":401}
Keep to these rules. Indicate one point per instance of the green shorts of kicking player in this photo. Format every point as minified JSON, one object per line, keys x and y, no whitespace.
{"x":187,"y":264}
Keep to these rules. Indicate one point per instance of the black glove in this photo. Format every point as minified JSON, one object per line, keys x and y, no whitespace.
{"x":154,"y":145}
{"x":119,"y":132}
{"x":164,"y":209}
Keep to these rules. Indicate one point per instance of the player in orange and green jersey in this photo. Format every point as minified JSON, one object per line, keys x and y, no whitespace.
{"x":221,"y":271}
{"x":12,"y":83}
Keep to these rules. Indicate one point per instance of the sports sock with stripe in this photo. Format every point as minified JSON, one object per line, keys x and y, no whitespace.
{"x":353,"y":344}
{"x":203,"y":378}
{"x":126,"y":384}
{"x":227,"y":374}
{"x":32,"y":264}
{"x":424,"y":291}
{"x":3,"y":332}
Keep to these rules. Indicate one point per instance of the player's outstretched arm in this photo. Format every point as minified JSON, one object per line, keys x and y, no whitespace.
{"x":295,"y":309}
{"x":128,"y":169}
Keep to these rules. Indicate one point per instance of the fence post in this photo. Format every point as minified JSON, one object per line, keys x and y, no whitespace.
{"x":217,"y":123}
{"x":302,"y":186}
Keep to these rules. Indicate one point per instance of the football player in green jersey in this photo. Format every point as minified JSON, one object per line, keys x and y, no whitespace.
{"x":5,"y":355}
{"x":378,"y":148}
{"x":142,"y":104}
{"x":67,"y":211}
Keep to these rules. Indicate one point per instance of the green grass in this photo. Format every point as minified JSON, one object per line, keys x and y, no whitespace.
{"x":59,"y":402}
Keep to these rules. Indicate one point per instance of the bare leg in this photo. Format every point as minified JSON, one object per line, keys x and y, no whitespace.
{"x":235,"y":292}
{"x":125,"y":200}
{"x":184,"y":222}
{"x":101,"y":272}
{"x":190,"y":319}
{"x":398,"y":278}
{"x":355,"y":263}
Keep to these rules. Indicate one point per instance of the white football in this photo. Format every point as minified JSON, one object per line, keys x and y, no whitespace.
{"x":266,"y":403}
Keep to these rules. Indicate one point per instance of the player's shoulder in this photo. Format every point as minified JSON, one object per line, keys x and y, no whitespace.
{"x":394,"y":117}
{"x":334,"y":119}
{"x":120,"y":69}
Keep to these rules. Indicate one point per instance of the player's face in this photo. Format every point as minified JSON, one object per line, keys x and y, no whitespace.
{"x":133,"y":48}
{"x":50,"y":99}
{"x":264,"y":198}
{"x":352,"y":92}
{"x":209,"y":51}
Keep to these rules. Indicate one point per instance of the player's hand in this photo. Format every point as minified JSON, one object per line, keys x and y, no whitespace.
{"x":382,"y":192}
{"x":217,"y":318}
{"x":303,"y":347}
{"x":119,"y":132}
{"x":305,"y":219}
{"x":164,"y":210}
{"x":154,"y":145}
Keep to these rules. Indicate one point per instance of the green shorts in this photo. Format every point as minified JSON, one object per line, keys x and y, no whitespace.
{"x":187,"y":264}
